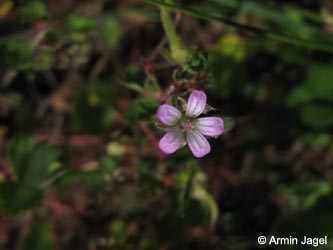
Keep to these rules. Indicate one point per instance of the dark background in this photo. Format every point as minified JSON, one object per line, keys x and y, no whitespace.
{"x":80,"y":83}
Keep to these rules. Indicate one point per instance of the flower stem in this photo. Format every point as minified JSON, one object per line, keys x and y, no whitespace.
{"x":178,"y":53}
{"x":169,"y":29}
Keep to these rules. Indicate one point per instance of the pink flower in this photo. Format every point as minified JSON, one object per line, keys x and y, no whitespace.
{"x":185,"y":127}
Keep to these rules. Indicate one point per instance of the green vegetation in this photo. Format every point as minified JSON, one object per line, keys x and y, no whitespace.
{"x":80,"y":84}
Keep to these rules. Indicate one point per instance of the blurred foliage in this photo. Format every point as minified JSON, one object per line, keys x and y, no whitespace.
{"x":192,"y":66}
{"x":92,"y":111}
{"x":33,"y":10}
{"x":19,"y":53}
{"x":31,"y":164}
{"x":42,"y":231}
{"x":5,"y":7}
{"x":313,"y":97}
{"x":81,"y":82}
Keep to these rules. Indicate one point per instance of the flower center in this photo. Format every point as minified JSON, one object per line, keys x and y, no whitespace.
{"x":188,"y":126}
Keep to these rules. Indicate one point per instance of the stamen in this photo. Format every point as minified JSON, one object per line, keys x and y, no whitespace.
{"x":188,"y":126}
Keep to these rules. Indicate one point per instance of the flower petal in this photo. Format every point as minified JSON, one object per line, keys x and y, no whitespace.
{"x":171,"y":141}
{"x":209,"y":126}
{"x":197,"y":143}
{"x":168,"y":114}
{"x":196,"y":103}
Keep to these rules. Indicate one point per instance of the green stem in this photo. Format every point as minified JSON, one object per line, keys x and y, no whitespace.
{"x":178,"y":53}
{"x":154,"y":81}
{"x":270,"y":35}
{"x":169,"y":29}
{"x":199,"y":15}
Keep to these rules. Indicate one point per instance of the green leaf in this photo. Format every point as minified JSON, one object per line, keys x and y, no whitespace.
{"x":317,"y":86}
{"x":80,"y":23}
{"x":192,"y":182}
{"x":15,"y":197}
{"x":313,"y":98}
{"x":118,"y":232}
{"x":31,"y":164}
{"x":93,"y":109}
{"x":33,"y":10}
{"x":19,"y":53}
{"x":92,"y":178}
{"x":110,"y":30}
{"x":95,"y":179}
{"x":141,"y":109}
{"x":206,"y":198}
{"x":43,"y":60}
{"x":38,"y":166}
{"x":18,"y":151}
{"x":317,"y":116}
{"x":40,"y":237}
{"x":233,"y":46}
{"x":108,"y":165}
{"x":303,"y":195}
